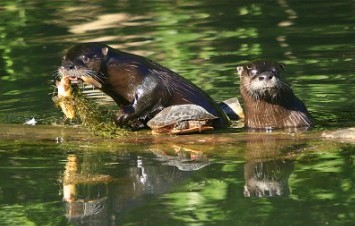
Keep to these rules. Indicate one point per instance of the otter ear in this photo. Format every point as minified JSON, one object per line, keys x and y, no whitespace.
{"x":282,"y":66}
{"x":240,"y":70}
{"x":104,"y":51}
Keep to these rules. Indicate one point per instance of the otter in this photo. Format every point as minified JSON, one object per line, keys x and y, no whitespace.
{"x":139,"y":86}
{"x":269,"y":102}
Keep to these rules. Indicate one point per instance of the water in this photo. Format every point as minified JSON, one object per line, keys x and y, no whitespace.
{"x":189,"y":180}
{"x":199,"y":182}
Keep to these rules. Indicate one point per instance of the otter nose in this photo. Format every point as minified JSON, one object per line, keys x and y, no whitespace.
{"x":69,"y":65}
{"x":265,"y":77}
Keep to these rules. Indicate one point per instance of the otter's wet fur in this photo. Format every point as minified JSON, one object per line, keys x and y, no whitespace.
{"x":269,"y":102}
{"x":139,"y":86}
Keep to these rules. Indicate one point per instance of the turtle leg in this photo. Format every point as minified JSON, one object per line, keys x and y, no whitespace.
{"x":181,"y":125}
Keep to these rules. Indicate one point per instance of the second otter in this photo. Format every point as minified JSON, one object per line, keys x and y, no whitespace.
{"x":269,"y":102}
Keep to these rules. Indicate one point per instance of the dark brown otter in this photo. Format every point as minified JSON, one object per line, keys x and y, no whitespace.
{"x":269,"y":102}
{"x":139,"y":86}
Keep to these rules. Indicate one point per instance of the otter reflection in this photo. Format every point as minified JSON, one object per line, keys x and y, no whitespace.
{"x":92,"y":207}
{"x":267,"y":179}
{"x":95,"y":198}
{"x":268,"y":168}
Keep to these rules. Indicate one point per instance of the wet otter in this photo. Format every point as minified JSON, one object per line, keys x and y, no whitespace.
{"x":139,"y":86}
{"x":269,"y":102}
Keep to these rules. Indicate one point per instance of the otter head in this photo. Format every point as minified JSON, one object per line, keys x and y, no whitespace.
{"x":262,"y":80}
{"x":83,"y":62}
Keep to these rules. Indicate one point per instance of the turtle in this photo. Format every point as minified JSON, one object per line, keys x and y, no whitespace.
{"x":182,"y":119}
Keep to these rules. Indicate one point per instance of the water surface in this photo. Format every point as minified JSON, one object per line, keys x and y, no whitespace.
{"x":248,"y":179}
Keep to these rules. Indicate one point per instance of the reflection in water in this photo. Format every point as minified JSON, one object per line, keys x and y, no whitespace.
{"x":185,"y":159}
{"x":267,"y":179}
{"x":266,"y":171}
{"x":93,"y":207}
{"x":100,"y":199}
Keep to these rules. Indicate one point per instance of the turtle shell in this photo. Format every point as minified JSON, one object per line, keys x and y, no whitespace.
{"x":180,"y":119}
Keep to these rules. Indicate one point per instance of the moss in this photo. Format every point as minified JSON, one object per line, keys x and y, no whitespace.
{"x":91,"y":115}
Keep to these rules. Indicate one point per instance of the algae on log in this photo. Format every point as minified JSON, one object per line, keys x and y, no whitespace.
{"x":74,"y":104}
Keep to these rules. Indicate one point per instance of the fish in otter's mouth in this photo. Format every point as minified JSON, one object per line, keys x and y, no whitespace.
{"x":80,"y":75}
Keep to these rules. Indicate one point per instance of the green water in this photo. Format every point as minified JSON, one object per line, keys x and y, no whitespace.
{"x":252,"y":179}
{"x":189,"y":180}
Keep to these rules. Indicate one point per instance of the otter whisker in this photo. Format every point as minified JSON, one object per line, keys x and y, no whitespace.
{"x":89,"y":73}
{"x":100,"y":76}
{"x":93,"y":75}
{"x":253,"y":93}
{"x":57,"y":74}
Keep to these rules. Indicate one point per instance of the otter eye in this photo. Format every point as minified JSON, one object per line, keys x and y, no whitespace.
{"x":253,"y":72}
{"x":85,"y":59}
